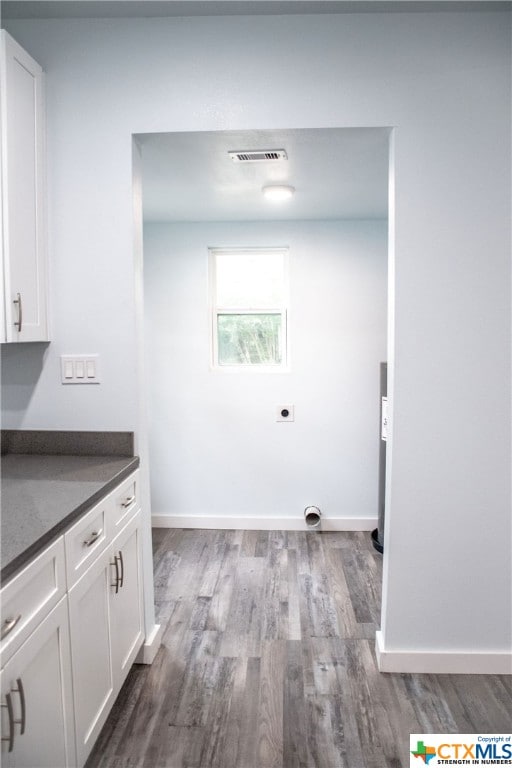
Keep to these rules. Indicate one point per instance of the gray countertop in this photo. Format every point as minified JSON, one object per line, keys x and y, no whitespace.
{"x":43,"y":495}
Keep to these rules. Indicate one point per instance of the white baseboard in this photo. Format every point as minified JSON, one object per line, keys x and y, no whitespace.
{"x":151,"y":645}
{"x":442,"y":662}
{"x":262,"y":523}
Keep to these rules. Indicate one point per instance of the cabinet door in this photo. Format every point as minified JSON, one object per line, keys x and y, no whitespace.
{"x":93,"y":689}
{"x":37,"y":681}
{"x":126,"y":600}
{"x":23,"y":190}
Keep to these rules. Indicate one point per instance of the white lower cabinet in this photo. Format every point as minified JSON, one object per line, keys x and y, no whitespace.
{"x":105,"y":611}
{"x":66,"y":652}
{"x":127,"y":632}
{"x":93,"y":685}
{"x":37,"y":702}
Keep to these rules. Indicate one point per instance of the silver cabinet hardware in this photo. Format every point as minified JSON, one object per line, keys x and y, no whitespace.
{"x":21,"y":693}
{"x":121,"y":580}
{"x":10,"y":712}
{"x":93,"y":537}
{"x":19,"y":302}
{"x":8,"y":626}
{"x":128,"y":501}
{"x":119,"y":566}
{"x":116,"y":566}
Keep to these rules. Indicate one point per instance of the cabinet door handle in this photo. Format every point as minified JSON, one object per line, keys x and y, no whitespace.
{"x":128,"y":501}
{"x":21,"y":692}
{"x":121,"y":580}
{"x":10,"y":712}
{"x":19,"y":302}
{"x":93,"y":537}
{"x":116,"y":566}
{"x":8,"y":626}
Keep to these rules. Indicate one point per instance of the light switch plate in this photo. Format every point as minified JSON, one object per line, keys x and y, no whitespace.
{"x":79,"y":369}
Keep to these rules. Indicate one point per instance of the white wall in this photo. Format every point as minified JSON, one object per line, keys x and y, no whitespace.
{"x":216,"y":448}
{"x":443,"y":81}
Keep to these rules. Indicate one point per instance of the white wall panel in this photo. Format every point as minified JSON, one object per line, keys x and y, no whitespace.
{"x":216,"y":448}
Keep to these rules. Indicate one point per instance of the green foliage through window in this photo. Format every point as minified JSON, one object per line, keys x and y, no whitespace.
{"x":249,"y":307}
{"x":249,"y":339}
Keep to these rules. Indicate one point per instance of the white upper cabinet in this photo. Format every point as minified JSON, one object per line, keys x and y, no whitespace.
{"x":24,"y":247}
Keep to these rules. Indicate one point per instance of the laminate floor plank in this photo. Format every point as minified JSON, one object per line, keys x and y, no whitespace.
{"x":228,"y":754}
{"x":319,"y":614}
{"x":242,"y":632}
{"x":368,"y":699}
{"x":270,"y":713}
{"x":247,"y":751}
{"x":195,"y":556}
{"x":164,"y":593}
{"x":176,"y":747}
{"x":433,"y":713}
{"x":299,"y":542}
{"x":328,"y":734}
{"x":272,"y":615}
{"x":485,"y":701}
{"x":354,"y":566}
{"x":165,"y":540}
{"x":393,"y":713}
{"x":215,"y":746}
{"x":261,"y":548}
{"x":213,"y":566}
{"x":110,"y":744}
{"x":268,"y":661}
{"x":189,"y":703}
{"x":295,"y":744}
{"x":133,"y":739}
{"x":294,"y":626}
{"x":347,"y":623}
{"x":178,"y":625}
{"x":221,"y":598}
{"x":158,"y":537}
{"x":249,"y":542}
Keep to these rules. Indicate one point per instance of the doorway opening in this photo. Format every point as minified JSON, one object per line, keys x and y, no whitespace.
{"x":220,"y":458}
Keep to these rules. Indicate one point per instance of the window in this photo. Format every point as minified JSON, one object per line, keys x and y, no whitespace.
{"x":249,"y":307}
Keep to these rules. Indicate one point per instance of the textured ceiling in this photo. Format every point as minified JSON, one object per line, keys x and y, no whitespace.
{"x":338,"y":173}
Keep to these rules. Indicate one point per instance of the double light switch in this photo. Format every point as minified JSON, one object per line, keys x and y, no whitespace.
{"x":79,"y":369}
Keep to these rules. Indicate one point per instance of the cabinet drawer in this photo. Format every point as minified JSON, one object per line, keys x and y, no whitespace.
{"x":125,"y":500}
{"x":85,"y":540}
{"x":30,"y":596}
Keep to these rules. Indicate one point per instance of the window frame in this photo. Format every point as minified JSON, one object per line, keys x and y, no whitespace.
{"x":215,"y":310}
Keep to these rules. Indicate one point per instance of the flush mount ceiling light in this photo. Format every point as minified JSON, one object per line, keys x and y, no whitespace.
{"x":278,"y":192}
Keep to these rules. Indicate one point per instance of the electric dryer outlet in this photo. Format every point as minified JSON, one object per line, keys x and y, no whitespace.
{"x":285,"y":413}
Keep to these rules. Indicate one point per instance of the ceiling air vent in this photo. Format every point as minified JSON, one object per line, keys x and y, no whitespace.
{"x":258,"y":155}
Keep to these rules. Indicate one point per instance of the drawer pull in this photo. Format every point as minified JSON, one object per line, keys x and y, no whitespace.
{"x":10,"y":712}
{"x":116,"y":566}
{"x":121,"y":580}
{"x":93,"y":537}
{"x":119,"y":566}
{"x":8,"y":626}
{"x":18,"y":301}
{"x":21,"y":692}
{"x":128,"y":501}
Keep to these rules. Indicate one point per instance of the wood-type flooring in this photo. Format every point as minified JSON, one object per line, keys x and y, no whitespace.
{"x":268,"y":661}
